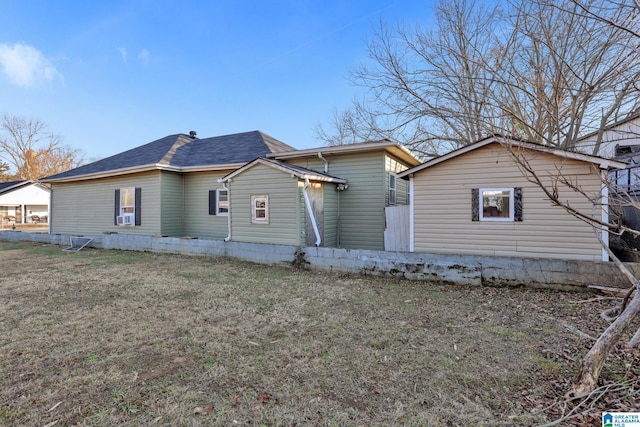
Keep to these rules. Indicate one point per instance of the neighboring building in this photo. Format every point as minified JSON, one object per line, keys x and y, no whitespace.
{"x":476,"y":200}
{"x":23,"y":202}
{"x":619,"y":139}
{"x":174,"y":187}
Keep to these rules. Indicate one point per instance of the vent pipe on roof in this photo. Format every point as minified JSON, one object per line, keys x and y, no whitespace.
{"x":193,"y":134}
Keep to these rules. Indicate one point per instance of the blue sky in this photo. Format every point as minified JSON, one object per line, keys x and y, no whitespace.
{"x":109,"y":76}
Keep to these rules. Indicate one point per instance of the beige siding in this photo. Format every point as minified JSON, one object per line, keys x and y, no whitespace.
{"x":197,"y":221}
{"x":284,"y":225}
{"x":88,"y":207}
{"x":172,"y":204}
{"x":443,"y":217}
{"x":361,"y":216}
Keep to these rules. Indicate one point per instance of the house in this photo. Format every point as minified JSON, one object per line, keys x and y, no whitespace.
{"x":245,"y":187}
{"x":621,"y":141}
{"x":476,"y":200}
{"x":618,"y":139}
{"x":332,"y":196}
{"x":164,"y":187}
{"x":23,"y":201}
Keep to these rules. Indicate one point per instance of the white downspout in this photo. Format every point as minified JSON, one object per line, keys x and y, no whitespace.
{"x":326,"y":163}
{"x":226,"y":239}
{"x":411,"y":216}
{"x":310,"y":210}
{"x":605,"y":214}
{"x":49,"y":209}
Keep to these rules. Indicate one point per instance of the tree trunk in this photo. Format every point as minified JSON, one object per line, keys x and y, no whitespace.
{"x":592,"y":363}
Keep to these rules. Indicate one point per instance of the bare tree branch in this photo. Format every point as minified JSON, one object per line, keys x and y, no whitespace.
{"x":33,"y":152}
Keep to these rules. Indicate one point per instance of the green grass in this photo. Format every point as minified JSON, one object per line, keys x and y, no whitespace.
{"x":126,"y":338}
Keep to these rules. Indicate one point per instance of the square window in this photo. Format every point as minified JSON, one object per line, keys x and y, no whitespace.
{"x":260,"y":209}
{"x":496,"y":204}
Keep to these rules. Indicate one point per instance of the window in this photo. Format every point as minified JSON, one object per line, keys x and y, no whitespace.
{"x":392,"y":188}
{"x":127,"y":200}
{"x":219,"y":202}
{"x":222,"y":207}
{"x":625,"y":179}
{"x":260,"y":209}
{"x":127,"y":206}
{"x":496,"y":204}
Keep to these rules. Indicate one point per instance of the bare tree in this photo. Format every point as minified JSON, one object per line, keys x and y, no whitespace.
{"x":32,"y":151}
{"x":573,"y":74}
{"x":536,"y":70}
{"x":428,"y":88}
{"x":546,"y":71}
{"x":4,"y":172}
{"x":349,"y":127}
{"x":553,"y":184}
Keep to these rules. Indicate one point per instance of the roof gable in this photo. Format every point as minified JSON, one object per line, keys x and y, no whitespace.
{"x":508,"y":143}
{"x":179,"y":152}
{"x":297,"y":171}
{"x":7,"y":187}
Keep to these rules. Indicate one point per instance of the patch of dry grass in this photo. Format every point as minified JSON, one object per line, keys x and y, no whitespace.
{"x":121,"y":338}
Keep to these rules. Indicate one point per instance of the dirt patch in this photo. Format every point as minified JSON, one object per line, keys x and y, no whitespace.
{"x":121,"y":338}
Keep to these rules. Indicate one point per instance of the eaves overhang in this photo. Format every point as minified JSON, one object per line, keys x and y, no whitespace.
{"x":144,"y":168}
{"x":508,"y":143}
{"x":298,"y":172}
{"x":394,"y":148}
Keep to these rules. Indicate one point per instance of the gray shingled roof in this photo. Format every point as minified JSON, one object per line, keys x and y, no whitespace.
{"x":12,"y":185}
{"x":179,"y":151}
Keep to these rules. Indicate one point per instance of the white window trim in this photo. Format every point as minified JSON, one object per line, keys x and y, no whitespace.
{"x":122,"y":197}
{"x":218,"y":207}
{"x":254,"y":219}
{"x":393,"y":189}
{"x":494,"y":218}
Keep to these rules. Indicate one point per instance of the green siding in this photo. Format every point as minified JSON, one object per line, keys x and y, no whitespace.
{"x":330,"y":215}
{"x":198,"y":222}
{"x":302,"y":218}
{"x":172,"y":204}
{"x":284,"y":225}
{"x":87,"y":207}
{"x":361,"y":216}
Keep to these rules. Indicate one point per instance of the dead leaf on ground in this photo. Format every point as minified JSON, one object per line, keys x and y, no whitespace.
{"x":264,"y":398}
{"x":201,"y":410}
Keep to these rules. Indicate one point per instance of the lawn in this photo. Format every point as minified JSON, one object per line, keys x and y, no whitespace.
{"x":103,"y":338}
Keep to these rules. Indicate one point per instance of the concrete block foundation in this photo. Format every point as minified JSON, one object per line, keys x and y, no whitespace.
{"x":449,"y":269}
